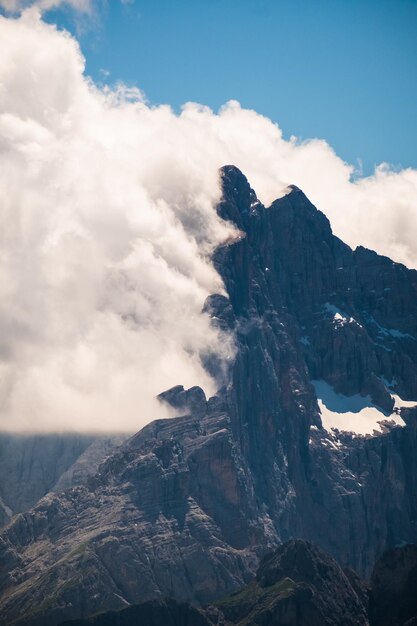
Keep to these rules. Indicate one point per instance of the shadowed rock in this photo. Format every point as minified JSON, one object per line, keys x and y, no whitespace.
{"x":394,"y":588}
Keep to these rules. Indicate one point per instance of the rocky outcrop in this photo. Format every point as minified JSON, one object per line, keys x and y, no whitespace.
{"x":298,"y":585}
{"x":188,"y":506}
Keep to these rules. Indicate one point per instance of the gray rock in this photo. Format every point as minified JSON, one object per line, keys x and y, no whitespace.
{"x":298,"y":585}
{"x":393,"y":598}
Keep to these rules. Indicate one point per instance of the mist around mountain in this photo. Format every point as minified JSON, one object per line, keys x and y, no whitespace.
{"x":108,"y":207}
{"x":33,"y":465}
{"x":312,"y":434}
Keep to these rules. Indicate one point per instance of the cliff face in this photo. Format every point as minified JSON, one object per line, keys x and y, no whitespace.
{"x":312,"y":434}
{"x":297,"y":585}
{"x":307,"y":309}
{"x":393,"y":599}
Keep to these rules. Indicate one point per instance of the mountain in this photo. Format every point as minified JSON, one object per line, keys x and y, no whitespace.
{"x":297,"y":585}
{"x":312,"y":434}
{"x":32,"y":465}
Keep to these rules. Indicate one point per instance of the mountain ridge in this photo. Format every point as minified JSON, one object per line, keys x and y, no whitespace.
{"x":296,"y":585}
{"x":189,"y":505}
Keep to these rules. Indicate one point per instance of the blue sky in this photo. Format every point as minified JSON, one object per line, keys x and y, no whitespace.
{"x":343,"y":70}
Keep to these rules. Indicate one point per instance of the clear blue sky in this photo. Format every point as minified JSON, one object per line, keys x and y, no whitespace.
{"x":343,"y":70}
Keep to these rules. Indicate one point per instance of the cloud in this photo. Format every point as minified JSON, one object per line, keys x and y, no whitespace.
{"x":108,"y":224}
{"x":17,"y":6}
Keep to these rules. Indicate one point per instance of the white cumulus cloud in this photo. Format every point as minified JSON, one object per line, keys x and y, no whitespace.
{"x":108,"y":222}
{"x":17,"y":6}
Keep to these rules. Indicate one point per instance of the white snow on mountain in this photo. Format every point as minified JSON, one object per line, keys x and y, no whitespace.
{"x":357,"y":414}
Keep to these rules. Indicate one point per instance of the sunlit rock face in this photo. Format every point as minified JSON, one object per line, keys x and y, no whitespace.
{"x":312,"y":434}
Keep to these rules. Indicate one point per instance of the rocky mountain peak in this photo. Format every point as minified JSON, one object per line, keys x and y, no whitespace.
{"x":313,"y":434}
{"x":238,"y":198}
{"x":239,"y":203}
{"x":185,"y":401}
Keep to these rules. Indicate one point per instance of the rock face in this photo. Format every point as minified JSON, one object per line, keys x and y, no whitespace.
{"x":298,"y":585}
{"x":151,"y":613}
{"x":163,"y":517}
{"x":393,"y":599}
{"x":304,"y":307}
{"x":324,"y":336}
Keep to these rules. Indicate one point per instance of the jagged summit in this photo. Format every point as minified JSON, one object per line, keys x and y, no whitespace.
{"x":313,"y":435}
{"x":191,"y":400}
{"x":238,"y":197}
{"x":240,"y":202}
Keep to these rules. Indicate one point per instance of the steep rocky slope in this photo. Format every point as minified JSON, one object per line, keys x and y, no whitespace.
{"x":393,"y":600}
{"x":325,"y":337}
{"x":297,"y":585}
{"x":165,"y":612}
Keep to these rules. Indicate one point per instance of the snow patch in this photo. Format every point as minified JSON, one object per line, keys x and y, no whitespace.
{"x":357,"y":414}
{"x":340,"y":318}
{"x":403,"y":404}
